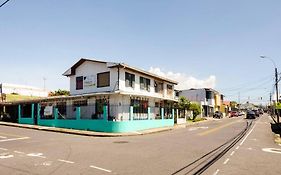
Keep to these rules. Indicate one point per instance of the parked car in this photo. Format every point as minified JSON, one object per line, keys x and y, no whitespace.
{"x":233,"y":114}
{"x":257,"y":113}
{"x":251,"y":115}
{"x":218,"y":115}
{"x":241,"y":113}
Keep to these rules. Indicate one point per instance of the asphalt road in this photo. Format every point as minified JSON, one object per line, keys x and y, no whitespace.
{"x":25,"y":151}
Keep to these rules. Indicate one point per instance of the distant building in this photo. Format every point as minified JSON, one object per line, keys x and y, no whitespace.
{"x":209,"y":99}
{"x":6,"y":88}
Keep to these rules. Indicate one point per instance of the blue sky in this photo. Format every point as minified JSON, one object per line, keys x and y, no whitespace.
{"x":196,"y":38}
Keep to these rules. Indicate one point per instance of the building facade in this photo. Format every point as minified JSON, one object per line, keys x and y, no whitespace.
{"x":6,"y":88}
{"x":209,"y":99}
{"x":106,"y":97}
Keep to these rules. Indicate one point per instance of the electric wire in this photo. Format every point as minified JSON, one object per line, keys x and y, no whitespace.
{"x":4,"y":3}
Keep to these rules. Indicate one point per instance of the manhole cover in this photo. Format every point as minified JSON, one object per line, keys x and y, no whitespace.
{"x":121,"y":142}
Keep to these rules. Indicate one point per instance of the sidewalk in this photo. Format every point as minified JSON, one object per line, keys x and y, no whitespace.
{"x":102,"y":134}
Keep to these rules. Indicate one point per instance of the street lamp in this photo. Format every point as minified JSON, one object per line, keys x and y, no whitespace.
{"x":276,"y":82}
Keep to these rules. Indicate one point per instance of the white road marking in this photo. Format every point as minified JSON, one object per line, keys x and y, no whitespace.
{"x":272,"y":150}
{"x":102,"y":169}
{"x":247,"y":135}
{"x":226,"y":161}
{"x":65,"y":161}
{"x":19,"y":152}
{"x":4,"y":149}
{"x":232,"y":153}
{"x":6,"y":156}
{"x":22,"y":138}
{"x":36,"y":155}
{"x":3,"y":137}
{"x":215,"y":173}
{"x":237,"y":147}
{"x":250,"y":148}
{"x":279,"y":144}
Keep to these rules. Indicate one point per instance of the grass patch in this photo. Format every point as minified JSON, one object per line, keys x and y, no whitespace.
{"x":196,"y":120}
{"x":15,"y":97}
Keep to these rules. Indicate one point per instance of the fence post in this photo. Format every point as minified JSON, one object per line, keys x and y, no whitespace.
{"x":32,"y":112}
{"x":131,"y":113}
{"x":162,"y":113}
{"x":148,"y":113}
{"x":19,"y":112}
{"x":105,"y":114}
{"x":56,"y":112}
{"x":78,"y":113}
{"x":38,"y":112}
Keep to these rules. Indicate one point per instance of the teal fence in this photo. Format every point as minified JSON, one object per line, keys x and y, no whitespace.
{"x":102,"y":124}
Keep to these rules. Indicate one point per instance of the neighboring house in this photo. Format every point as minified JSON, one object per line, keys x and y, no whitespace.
{"x":209,"y":99}
{"x":6,"y":88}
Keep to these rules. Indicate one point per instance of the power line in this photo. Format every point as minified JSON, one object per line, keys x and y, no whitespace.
{"x":4,"y":3}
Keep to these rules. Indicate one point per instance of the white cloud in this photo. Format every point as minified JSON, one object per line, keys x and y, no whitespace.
{"x":186,"y":81}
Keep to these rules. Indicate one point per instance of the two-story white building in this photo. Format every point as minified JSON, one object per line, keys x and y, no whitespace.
{"x":128,"y":91}
{"x":206,"y":97}
{"x":106,"y":97}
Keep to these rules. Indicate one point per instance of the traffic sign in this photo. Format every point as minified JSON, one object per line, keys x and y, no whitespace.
{"x":278,"y":105}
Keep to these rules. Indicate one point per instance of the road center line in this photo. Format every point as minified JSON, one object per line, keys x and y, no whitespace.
{"x":22,"y":138}
{"x":226,"y":161}
{"x":247,"y":135}
{"x":102,"y":169}
{"x":4,"y":149}
{"x":65,"y":161}
{"x":237,"y":147}
{"x":217,"y":128}
{"x":3,"y":137}
{"x":232,"y":153}
{"x":215,"y":173}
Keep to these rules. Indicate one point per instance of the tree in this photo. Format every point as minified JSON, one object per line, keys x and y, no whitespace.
{"x":59,"y":92}
{"x":196,"y":108}
{"x":184,"y":103}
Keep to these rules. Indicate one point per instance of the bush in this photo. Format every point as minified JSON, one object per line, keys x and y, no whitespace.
{"x":196,"y":108}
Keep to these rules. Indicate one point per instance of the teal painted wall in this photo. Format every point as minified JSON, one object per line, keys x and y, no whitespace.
{"x":102,"y":125}
{"x":27,"y":119}
{"x":107,"y":126}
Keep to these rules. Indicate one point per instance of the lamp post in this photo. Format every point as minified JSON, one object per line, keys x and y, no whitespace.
{"x":276,"y":83}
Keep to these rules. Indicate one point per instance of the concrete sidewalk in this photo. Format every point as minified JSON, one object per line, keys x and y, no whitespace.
{"x":102,"y":134}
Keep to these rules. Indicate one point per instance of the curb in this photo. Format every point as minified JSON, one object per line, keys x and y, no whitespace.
{"x":86,"y":133}
{"x":101,"y":134}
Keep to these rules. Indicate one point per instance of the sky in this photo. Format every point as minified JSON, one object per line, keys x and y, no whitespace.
{"x":202,"y":43}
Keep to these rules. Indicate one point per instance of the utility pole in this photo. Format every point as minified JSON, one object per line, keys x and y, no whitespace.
{"x":277,"y":94}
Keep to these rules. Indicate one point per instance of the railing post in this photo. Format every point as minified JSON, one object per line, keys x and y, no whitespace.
{"x":131,"y":113}
{"x":19,"y":112}
{"x":56,"y":112}
{"x":38,"y":112}
{"x":162,"y":113}
{"x":148,"y":113}
{"x":105,"y":114}
{"x":78,"y":113}
{"x":32,"y":111}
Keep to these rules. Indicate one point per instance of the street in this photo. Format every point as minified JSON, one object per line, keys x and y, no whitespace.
{"x":25,"y":151}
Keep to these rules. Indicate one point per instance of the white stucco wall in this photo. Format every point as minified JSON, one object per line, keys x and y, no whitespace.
{"x":137,"y":91}
{"x":91,"y":69}
{"x":23,"y":90}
